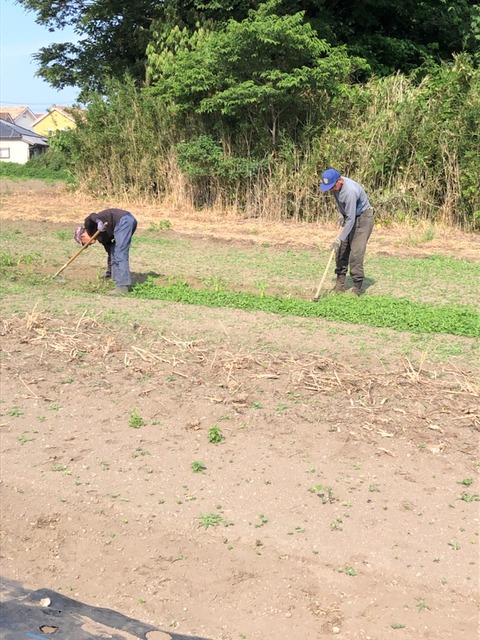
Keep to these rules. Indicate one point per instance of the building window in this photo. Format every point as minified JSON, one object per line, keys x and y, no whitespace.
{"x":4,"y":152}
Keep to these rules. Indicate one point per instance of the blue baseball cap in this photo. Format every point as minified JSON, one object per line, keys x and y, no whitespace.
{"x":329,"y":179}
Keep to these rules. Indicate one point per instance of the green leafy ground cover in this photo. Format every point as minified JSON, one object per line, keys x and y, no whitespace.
{"x":377,"y":311}
{"x":435,"y":279}
{"x":431,"y":295}
{"x":34,"y":171}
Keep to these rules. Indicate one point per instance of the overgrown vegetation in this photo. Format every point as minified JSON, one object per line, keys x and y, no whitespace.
{"x":49,"y":167}
{"x":411,"y":141}
{"x":377,"y":311}
{"x":241,"y":106}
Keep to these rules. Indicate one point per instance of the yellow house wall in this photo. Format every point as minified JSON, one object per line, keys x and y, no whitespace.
{"x":53,"y":122}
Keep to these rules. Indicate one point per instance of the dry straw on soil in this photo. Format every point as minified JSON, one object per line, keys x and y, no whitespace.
{"x":390,"y":394}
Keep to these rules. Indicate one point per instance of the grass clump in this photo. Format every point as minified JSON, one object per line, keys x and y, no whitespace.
{"x":215,"y":434}
{"x":207,"y":520}
{"x":377,"y":311}
{"x":136,"y":421}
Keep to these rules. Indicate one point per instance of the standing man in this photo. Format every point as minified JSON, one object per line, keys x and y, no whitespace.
{"x":116,"y":228}
{"x":356,"y":217}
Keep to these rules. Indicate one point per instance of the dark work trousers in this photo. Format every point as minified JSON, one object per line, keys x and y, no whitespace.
{"x":352,"y":251}
{"x":119,"y":254}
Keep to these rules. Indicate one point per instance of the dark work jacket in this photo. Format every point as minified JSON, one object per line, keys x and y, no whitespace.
{"x":111,"y":217}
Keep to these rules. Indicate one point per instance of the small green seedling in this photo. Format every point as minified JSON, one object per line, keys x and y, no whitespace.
{"x":470,"y":497}
{"x":263,"y":520}
{"x":210,"y":520}
{"x":336,"y":525}
{"x":140,"y":452}
{"x":198,"y":466}
{"x":62,"y":468}
{"x":215,"y":434}
{"x":136,"y":421}
{"x":421,"y":606}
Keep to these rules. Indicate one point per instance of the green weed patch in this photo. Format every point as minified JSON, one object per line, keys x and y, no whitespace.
{"x":377,"y":311}
{"x":31,"y":171}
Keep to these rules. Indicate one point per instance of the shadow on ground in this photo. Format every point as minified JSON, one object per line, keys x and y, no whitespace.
{"x":39,"y":614}
{"x":367,"y":282}
{"x":140,"y":278}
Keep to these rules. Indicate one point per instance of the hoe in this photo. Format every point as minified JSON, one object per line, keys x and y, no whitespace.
{"x":56,"y":276}
{"x":317,"y":295}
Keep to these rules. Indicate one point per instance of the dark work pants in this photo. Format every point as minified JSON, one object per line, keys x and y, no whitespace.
{"x":352,"y":251}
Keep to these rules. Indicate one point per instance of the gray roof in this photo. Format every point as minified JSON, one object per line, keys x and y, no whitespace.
{"x":10,"y":131}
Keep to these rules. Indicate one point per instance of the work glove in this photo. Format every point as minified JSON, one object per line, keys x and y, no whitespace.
{"x":336,"y":244}
{"x":100,"y":225}
{"x":341,"y":220}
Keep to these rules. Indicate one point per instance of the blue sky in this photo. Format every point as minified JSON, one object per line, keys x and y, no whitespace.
{"x":20,"y":38}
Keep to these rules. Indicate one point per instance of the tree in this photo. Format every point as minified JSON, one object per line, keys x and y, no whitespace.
{"x":114,"y":34}
{"x":267,"y":73}
{"x":395,"y":35}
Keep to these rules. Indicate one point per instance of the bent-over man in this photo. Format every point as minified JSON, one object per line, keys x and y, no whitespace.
{"x":116,"y":228}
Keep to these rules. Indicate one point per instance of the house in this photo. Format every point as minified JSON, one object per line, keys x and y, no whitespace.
{"x":56,"y":119}
{"x":6,"y":116}
{"x":18,"y":144}
{"x":23,"y":116}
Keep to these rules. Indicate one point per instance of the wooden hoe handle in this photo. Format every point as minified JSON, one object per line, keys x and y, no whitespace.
{"x":325,"y":273}
{"x":78,"y":253}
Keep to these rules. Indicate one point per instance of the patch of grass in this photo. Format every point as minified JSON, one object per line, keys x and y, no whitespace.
{"x":62,"y":468}
{"x":63,"y":234}
{"x":215,"y":434}
{"x":136,"y":421}
{"x":379,"y":311}
{"x":470,"y":497}
{"x":211,"y":520}
{"x":161,"y":225}
{"x":140,"y":452}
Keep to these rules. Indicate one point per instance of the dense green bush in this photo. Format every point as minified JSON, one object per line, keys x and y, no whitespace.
{"x":49,"y":167}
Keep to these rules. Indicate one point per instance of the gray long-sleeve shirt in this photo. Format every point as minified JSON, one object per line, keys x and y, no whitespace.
{"x":351,"y":202}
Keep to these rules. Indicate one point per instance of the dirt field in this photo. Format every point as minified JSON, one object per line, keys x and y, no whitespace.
{"x":341,"y":500}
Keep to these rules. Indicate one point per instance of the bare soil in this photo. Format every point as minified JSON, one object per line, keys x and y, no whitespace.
{"x":341,"y":501}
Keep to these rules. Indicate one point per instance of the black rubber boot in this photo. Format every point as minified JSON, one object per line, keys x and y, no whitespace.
{"x":357,"y":288}
{"x":340,"y":284}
